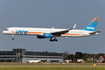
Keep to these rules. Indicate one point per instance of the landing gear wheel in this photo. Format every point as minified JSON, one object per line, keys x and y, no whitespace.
{"x":56,"y":39}
{"x":12,"y":38}
{"x":51,"y":40}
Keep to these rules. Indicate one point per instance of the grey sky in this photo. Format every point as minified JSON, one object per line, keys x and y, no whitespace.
{"x":53,"y":13}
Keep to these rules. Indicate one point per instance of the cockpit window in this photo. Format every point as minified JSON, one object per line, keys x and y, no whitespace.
{"x":6,"y":29}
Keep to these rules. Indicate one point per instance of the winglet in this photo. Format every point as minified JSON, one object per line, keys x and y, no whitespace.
{"x":74,"y":26}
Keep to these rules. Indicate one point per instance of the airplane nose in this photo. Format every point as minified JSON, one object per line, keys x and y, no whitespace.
{"x":3,"y":32}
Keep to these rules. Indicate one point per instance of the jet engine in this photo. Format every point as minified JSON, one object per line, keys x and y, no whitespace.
{"x":45,"y":35}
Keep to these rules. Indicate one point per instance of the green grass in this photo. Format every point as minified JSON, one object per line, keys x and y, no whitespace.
{"x":52,"y":67}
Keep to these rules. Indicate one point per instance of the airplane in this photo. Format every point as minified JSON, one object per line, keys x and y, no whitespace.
{"x":52,"y":33}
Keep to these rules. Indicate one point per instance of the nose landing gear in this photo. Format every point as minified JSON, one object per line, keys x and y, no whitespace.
{"x":12,"y":37}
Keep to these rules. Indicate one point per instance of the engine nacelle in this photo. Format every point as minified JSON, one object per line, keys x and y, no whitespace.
{"x":48,"y":35}
{"x":45,"y":35}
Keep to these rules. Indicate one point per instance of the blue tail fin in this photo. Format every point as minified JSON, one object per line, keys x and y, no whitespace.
{"x":92,"y":25}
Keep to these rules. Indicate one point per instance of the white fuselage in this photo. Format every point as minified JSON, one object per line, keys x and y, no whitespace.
{"x":41,"y":31}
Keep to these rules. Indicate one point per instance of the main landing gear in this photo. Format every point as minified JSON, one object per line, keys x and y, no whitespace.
{"x":53,"y":39}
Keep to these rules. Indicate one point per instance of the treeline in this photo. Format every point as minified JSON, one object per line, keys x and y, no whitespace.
{"x":84,"y":56}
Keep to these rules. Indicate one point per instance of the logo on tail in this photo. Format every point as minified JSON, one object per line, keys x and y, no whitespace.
{"x":92,"y":25}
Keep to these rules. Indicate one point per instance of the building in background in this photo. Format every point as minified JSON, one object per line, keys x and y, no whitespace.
{"x":101,"y":58}
{"x":90,"y":59}
{"x":21,"y":55}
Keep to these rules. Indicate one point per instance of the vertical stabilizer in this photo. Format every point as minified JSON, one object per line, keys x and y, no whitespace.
{"x":92,"y":25}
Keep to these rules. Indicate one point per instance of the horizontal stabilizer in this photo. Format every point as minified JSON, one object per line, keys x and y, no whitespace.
{"x":95,"y":32}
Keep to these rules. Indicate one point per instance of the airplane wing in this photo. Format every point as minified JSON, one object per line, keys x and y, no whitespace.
{"x":95,"y":32}
{"x":62,"y":32}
